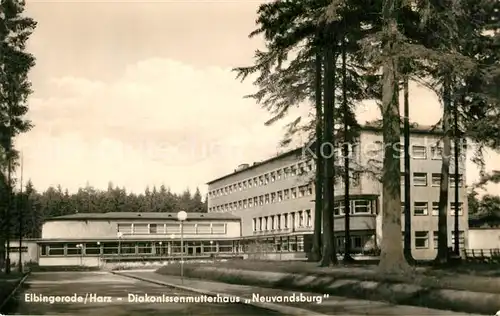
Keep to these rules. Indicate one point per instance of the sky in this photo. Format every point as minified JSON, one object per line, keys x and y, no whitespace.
{"x":142,"y":94}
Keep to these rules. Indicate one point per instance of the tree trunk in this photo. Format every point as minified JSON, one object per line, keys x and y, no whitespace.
{"x":9,"y":205}
{"x":347,"y":200}
{"x":408,"y":216}
{"x":391,"y":257}
{"x":329,"y":254}
{"x":456,"y":136}
{"x":443,"y":254}
{"x":318,"y":203}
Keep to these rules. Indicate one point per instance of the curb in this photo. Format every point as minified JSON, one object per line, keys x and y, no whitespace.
{"x":287,"y":310}
{"x":7,"y":299}
{"x":395,"y":293}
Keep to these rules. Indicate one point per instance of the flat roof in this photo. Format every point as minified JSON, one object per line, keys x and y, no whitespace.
{"x":142,"y":215}
{"x":370,"y":127}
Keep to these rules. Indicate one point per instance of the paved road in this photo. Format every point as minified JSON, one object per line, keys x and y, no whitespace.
{"x":113,"y":291}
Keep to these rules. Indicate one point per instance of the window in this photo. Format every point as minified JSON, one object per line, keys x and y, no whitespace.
{"x":250,"y":183}
{"x":74,"y":249}
{"x":293,"y":171}
{"x":461,"y":239}
{"x":266,"y":199}
{"x":452,"y":180}
{"x":286,"y":172}
{"x":436,"y":153}
{"x":302,"y":191}
{"x":56,"y":250}
{"x":127,"y":248}
{"x":261,"y":180}
{"x":203,"y":228}
{"x":308,"y":218}
{"x":402,"y":207}
{"x":294,"y":193}
{"x":153,"y":229}
{"x":244,"y":184}
{"x":452,"y":208}
{"x":261,"y":200}
{"x":218,"y":228}
{"x":250,"y":203}
{"x":285,"y":221}
{"x":300,"y":243}
{"x":357,"y":242}
{"x":240,"y":204}
{"x":16,"y":249}
{"x":419,"y":152}
{"x":302,"y":169}
{"x":420,"y":208}
{"x":245,"y":203}
{"x":435,"y":239}
{"x":260,"y":223}
{"x":280,"y":196}
{"x":255,"y":182}
{"x":273,"y":176}
{"x":125,"y":229}
{"x":362,"y":207}
{"x":309,"y":189}
{"x":286,"y":194}
{"x":273,"y":197}
{"x":420,"y":179}
{"x":141,"y":229}
{"x":278,"y":222}
{"x":435,"y":208}
{"x":278,"y":174}
{"x":256,"y":201}
{"x":266,"y":179}
{"x":301,"y":218}
{"x":338,"y":208}
{"x":436,"y":179}
{"x":421,"y":239}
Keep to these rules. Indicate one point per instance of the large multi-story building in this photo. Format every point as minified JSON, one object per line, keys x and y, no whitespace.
{"x":275,"y":198}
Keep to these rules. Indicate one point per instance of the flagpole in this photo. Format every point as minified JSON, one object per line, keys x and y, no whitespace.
{"x":21,"y":217}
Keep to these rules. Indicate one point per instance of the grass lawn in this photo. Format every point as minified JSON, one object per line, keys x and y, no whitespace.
{"x":465,"y":277}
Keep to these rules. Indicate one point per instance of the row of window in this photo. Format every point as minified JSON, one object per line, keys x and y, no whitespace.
{"x":274,"y":197}
{"x":171,"y":228}
{"x":422,"y":239}
{"x":289,"y":171}
{"x":436,"y":152}
{"x":135,"y":248}
{"x":420,"y":179}
{"x":355,"y":207}
{"x":274,"y":244}
{"x":422,"y":208}
{"x":293,"y":220}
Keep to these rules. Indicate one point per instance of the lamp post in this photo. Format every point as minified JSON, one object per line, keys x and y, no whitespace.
{"x":161,"y":249}
{"x":170,"y":250}
{"x":212,"y":250}
{"x":182,"y":216}
{"x":119,"y":235}
{"x":80,"y":248}
{"x":100,"y":255}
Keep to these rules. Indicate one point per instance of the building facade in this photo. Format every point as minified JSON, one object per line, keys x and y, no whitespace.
{"x":275,"y":198}
{"x":95,"y":239}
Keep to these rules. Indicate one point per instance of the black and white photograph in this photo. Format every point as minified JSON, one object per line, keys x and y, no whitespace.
{"x":250,"y":157}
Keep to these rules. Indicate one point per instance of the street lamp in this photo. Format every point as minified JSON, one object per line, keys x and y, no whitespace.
{"x":212,"y":250}
{"x":80,"y":248}
{"x":119,"y":235}
{"x":182,"y":216}
{"x":100,"y":254}
{"x":161,"y":249}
